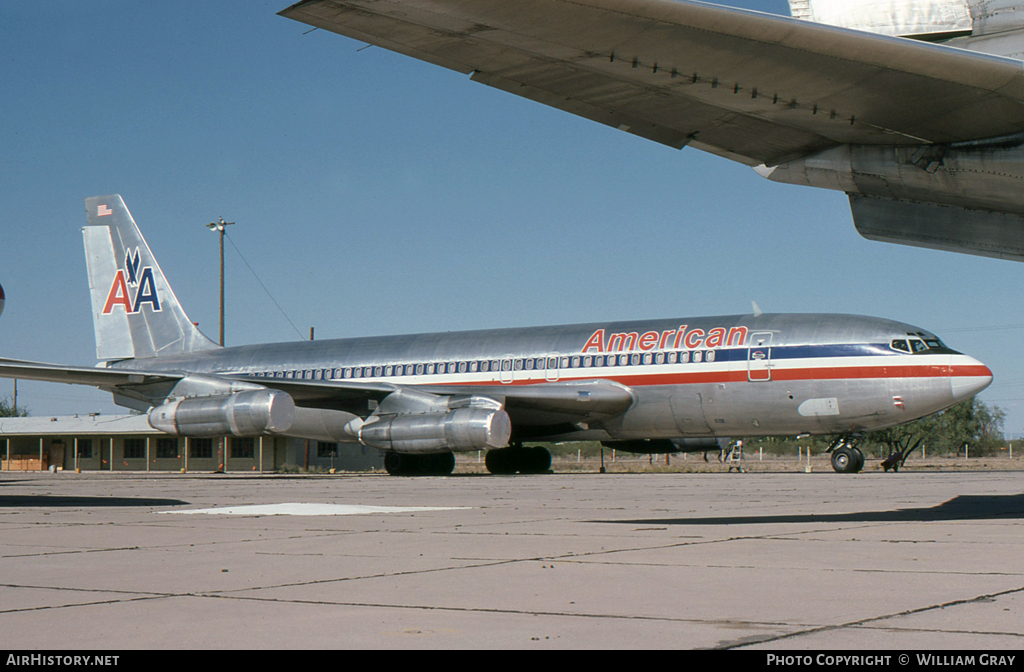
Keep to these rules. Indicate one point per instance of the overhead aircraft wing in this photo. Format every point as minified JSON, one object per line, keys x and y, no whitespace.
{"x":752,"y":87}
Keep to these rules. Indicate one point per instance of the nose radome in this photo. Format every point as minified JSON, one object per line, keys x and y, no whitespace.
{"x":967,"y":377}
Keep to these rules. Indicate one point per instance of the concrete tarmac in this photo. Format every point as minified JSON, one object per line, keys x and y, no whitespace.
{"x":922,"y":561}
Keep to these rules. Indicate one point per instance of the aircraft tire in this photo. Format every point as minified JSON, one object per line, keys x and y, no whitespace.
{"x":439,"y":464}
{"x":394,"y":464}
{"x":500,"y":461}
{"x":537,"y":461}
{"x":859,"y":460}
{"x":442,"y":464}
{"x":844,"y":460}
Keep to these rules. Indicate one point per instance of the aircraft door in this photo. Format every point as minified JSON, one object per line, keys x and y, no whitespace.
{"x":506,"y":370}
{"x":551,"y":372}
{"x":759,"y":356}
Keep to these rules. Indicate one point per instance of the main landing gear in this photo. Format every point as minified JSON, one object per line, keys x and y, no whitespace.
{"x":846,"y":456}
{"x":517,"y":459}
{"x":403,"y":464}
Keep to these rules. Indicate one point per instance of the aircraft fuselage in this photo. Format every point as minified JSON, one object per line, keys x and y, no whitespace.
{"x":734,"y":376}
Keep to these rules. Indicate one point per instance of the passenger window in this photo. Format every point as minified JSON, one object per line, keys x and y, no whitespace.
{"x":899,"y":344}
{"x":684,"y":357}
{"x":711,"y":356}
{"x":697,"y":356}
{"x":575,"y":362}
{"x":462,"y":367}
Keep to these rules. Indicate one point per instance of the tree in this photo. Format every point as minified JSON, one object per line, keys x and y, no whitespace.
{"x":971,"y":422}
{"x":7,"y":409}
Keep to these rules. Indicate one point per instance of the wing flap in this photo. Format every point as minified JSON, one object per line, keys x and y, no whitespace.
{"x":743,"y":83}
{"x":940,"y":227}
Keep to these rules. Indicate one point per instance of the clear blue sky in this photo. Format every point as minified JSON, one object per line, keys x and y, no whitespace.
{"x":376,"y":194}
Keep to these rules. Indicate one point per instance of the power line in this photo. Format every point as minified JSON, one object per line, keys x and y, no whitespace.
{"x":244,"y":261}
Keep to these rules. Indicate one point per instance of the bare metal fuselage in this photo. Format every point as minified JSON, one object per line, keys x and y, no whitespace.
{"x":729,"y":376}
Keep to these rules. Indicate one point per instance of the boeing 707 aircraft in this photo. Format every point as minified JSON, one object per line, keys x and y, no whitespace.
{"x":649,"y":386}
{"x":914,"y":108}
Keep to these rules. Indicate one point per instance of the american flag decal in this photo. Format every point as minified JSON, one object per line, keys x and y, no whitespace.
{"x":103,"y":211}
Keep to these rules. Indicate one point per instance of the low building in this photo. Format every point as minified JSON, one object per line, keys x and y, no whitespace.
{"x":128,"y":443}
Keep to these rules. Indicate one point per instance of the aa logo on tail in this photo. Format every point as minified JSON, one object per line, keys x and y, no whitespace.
{"x":130,"y":288}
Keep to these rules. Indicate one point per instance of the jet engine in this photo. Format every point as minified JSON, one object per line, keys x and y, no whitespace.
{"x":249,"y":413}
{"x":460,"y":430}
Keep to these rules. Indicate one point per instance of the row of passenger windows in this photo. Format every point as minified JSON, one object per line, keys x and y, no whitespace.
{"x":496,"y":365}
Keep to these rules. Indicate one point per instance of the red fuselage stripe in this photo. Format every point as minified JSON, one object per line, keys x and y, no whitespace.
{"x":777,"y":374}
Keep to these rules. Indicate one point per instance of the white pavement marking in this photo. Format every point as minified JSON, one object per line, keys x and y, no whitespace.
{"x":304,"y":509}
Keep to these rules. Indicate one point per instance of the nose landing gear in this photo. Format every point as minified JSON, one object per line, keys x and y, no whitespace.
{"x":846,"y":456}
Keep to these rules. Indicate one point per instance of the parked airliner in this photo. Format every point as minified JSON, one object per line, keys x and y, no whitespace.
{"x":649,"y":386}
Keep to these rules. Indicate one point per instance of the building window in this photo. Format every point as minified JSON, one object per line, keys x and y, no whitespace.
{"x":243,"y":447}
{"x":200,"y":448}
{"x":85,"y":448}
{"x":326,"y":449}
{"x":167,"y":448}
{"x":134,"y":449}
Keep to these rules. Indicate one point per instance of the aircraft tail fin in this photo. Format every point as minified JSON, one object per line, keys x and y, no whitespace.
{"x":135,"y":312}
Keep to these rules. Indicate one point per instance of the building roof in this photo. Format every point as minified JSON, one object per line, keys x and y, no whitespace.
{"x":80,"y":425}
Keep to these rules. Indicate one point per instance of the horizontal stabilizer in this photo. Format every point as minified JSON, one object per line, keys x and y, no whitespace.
{"x":940,"y":227}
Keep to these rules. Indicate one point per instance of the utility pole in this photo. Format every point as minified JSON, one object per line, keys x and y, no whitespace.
{"x":219,"y":225}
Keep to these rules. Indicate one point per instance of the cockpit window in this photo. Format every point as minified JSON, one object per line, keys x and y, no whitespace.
{"x":922,"y":345}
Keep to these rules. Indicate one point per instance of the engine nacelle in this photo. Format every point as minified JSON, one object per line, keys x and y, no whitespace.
{"x":461,"y":430}
{"x":248,"y":413}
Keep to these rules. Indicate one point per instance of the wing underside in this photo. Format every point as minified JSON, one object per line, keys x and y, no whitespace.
{"x":753,"y":87}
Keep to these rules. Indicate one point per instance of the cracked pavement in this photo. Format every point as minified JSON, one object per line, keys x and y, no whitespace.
{"x":740,"y":561}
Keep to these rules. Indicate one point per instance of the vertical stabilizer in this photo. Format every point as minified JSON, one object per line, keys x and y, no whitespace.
{"x":134,"y":310}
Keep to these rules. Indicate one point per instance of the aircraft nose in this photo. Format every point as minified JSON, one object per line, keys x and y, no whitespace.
{"x":967,"y":377}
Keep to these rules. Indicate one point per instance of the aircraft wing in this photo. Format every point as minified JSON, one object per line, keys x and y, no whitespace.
{"x":752,"y":87}
{"x":80,"y":375}
{"x":537,"y":404}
